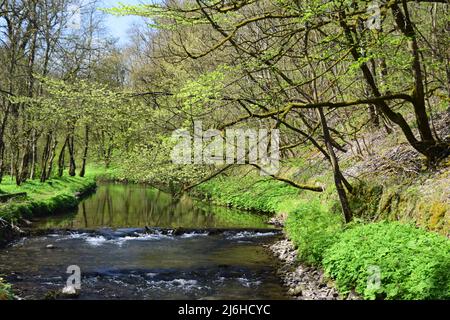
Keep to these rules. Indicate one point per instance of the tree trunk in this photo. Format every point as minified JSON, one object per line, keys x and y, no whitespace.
{"x":2,"y":143}
{"x":85,"y":153}
{"x":71,"y":147}
{"x":427,"y":146}
{"x":336,"y":169}
{"x":22,"y":173}
{"x":45,"y":157}
{"x":33,"y":155}
{"x":52,"y":158}
{"x":2,"y":158}
{"x":61,"y":159}
{"x":405,"y":25}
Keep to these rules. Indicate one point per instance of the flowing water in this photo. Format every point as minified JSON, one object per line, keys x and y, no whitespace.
{"x":133,"y":242}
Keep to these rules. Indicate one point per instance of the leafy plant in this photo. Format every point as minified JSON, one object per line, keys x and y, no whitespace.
{"x":413,"y":263}
{"x":313,"y":229}
{"x":5,"y":290}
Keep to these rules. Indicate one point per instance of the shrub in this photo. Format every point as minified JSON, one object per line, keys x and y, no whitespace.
{"x":413,"y":264}
{"x":313,"y":229}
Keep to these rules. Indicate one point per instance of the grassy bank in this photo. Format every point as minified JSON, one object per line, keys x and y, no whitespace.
{"x":408,"y":262}
{"x":51,"y":197}
{"x":46,"y":198}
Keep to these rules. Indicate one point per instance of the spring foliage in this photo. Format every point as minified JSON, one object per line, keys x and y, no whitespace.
{"x":414,"y":264}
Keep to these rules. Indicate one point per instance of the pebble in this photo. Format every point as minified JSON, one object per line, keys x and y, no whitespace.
{"x":304,"y":283}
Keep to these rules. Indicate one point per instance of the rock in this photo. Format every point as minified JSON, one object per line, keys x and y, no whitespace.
{"x":303,"y":282}
{"x":26,"y":222}
{"x":297,"y":291}
{"x":277,"y":222}
{"x":352,"y":296}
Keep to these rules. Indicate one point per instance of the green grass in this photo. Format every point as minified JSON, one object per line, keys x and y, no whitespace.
{"x":113,"y":173}
{"x":312,"y":228}
{"x":43,"y":198}
{"x":247,"y":193}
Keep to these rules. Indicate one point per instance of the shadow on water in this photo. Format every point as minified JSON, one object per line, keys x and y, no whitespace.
{"x":124,"y":242}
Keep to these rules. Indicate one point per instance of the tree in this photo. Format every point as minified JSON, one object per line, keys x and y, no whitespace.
{"x":298,"y":65}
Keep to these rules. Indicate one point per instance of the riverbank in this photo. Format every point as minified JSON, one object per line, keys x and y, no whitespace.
{"x":303,"y":282}
{"x":381,"y":260}
{"x":39,"y":199}
{"x":372,"y":259}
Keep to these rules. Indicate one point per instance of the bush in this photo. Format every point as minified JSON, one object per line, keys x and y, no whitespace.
{"x":413,"y":264}
{"x":313,"y":229}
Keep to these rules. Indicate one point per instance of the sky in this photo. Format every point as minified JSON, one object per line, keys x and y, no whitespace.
{"x":118,"y":26}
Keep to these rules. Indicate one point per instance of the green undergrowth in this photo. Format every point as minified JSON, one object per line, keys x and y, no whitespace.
{"x":247,"y":193}
{"x":46,"y":198}
{"x":399,"y":261}
{"x":413,"y":263}
{"x":112,"y":173}
{"x":313,"y":229}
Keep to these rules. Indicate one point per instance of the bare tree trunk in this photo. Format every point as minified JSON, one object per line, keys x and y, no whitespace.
{"x":405,"y":25}
{"x":45,"y":156}
{"x":426,"y":145}
{"x":336,"y":169}
{"x":61,"y":159}
{"x":2,"y":158}
{"x":52,"y":158}
{"x":2,"y":142}
{"x":33,"y":155}
{"x":85,"y":152}
{"x":71,"y":147}
{"x":22,"y":174}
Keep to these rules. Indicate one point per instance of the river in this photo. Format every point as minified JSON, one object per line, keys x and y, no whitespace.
{"x":134,"y":242}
